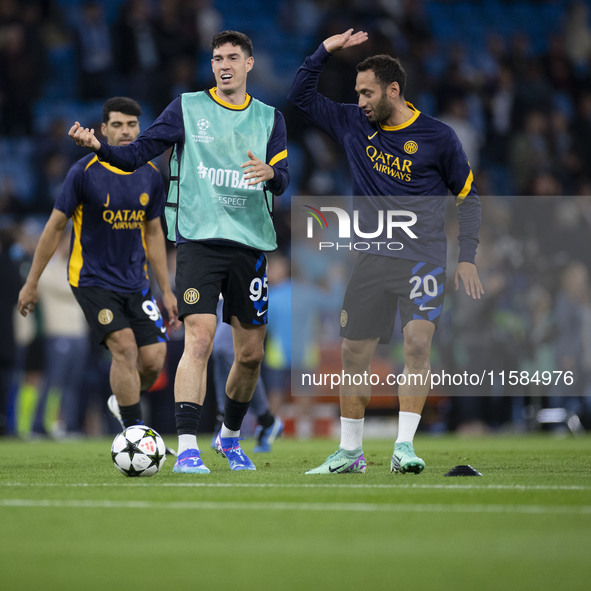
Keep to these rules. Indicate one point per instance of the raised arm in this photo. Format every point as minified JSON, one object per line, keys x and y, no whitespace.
{"x":326,"y":114}
{"x":344,"y":40}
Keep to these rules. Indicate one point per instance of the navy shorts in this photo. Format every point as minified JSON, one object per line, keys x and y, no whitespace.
{"x":381,"y":285}
{"x":205,"y":270}
{"x":107,"y":311}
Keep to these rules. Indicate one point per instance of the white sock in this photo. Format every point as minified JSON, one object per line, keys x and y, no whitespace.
{"x":187,"y":442}
{"x":351,"y":433}
{"x":225,"y":432}
{"x":408,"y":423}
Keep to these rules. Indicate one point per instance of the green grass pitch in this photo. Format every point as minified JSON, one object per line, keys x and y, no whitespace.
{"x":70,"y":521}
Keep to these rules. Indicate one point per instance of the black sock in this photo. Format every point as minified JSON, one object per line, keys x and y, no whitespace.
{"x":219,"y":421}
{"x":131,"y":415}
{"x":235,"y":413}
{"x":187,"y":416}
{"x":266,"y":420}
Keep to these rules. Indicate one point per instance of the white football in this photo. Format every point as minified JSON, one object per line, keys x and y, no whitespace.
{"x":138,"y":451}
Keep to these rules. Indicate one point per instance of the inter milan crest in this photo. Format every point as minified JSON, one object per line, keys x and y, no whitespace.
{"x":344,"y":318}
{"x":191,"y":296}
{"x":105,"y":316}
{"x":411,"y":147}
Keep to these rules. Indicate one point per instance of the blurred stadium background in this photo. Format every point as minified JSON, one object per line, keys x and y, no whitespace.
{"x":512,"y":78}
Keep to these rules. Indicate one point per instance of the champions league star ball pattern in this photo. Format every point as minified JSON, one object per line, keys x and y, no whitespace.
{"x":138,"y":451}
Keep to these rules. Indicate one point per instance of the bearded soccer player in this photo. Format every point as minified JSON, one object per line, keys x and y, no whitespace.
{"x":116,"y":232}
{"x":229,"y":159}
{"x":400,"y":159}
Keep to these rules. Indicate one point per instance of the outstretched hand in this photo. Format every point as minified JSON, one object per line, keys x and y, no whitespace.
{"x":345,"y":40}
{"x":84,"y":137}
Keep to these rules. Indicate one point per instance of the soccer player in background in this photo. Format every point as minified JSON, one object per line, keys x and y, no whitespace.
{"x":116,"y":231}
{"x":400,"y":159}
{"x":219,"y":213}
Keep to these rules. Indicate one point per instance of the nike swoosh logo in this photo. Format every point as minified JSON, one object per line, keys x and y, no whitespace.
{"x":423,"y":308}
{"x":108,"y":200}
{"x":369,"y":137}
{"x":337,"y":468}
{"x":259,"y":313}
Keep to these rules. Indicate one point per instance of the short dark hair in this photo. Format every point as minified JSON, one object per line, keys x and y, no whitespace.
{"x":235,"y":38}
{"x":387,"y":69}
{"x":121,"y":104}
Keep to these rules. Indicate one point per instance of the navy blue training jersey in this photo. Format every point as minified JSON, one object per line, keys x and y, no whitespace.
{"x":410,"y":167}
{"x":109,"y":209}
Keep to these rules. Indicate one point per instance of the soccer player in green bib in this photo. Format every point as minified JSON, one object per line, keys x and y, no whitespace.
{"x":229,"y":158}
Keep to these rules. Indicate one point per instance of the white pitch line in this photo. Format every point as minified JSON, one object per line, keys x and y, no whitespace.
{"x":154,"y":483}
{"x":340,"y":507}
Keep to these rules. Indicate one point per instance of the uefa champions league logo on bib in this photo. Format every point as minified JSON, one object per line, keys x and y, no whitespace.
{"x":202,"y":136}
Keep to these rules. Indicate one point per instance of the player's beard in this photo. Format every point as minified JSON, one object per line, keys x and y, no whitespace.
{"x":382,"y":110}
